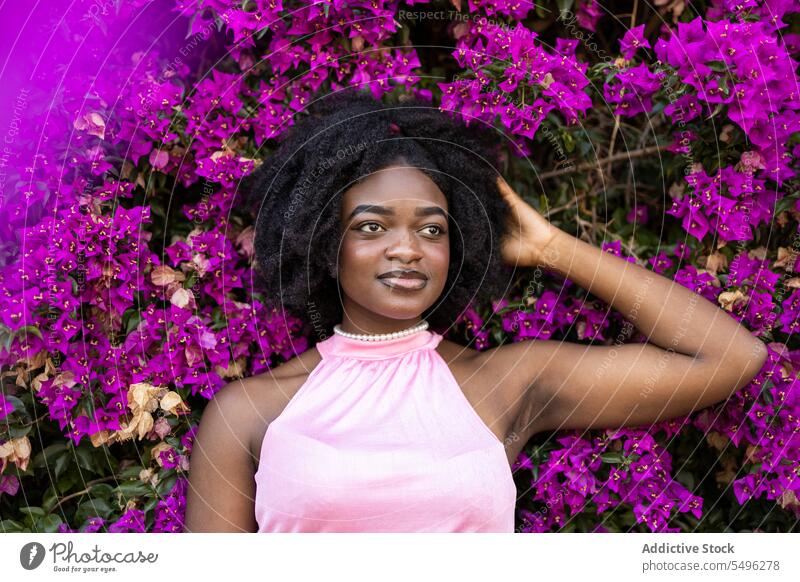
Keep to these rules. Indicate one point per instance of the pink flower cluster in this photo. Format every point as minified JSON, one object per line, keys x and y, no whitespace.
{"x":516,"y":80}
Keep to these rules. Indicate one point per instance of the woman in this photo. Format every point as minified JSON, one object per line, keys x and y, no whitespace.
{"x":378,"y":225}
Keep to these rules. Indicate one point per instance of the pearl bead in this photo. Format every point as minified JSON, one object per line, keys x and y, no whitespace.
{"x":377,"y":337}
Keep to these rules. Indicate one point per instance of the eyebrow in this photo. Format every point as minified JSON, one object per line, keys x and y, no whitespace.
{"x":384,"y":211}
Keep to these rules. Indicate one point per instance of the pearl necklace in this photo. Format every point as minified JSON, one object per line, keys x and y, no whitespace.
{"x":378,"y":337}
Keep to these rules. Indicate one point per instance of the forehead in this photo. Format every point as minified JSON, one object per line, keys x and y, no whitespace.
{"x":394,"y":186}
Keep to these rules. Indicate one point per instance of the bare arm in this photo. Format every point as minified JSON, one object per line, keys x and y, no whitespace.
{"x":221,"y":496}
{"x":697,"y":353}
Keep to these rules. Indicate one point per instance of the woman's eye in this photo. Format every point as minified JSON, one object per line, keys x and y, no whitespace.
{"x":374,"y":227}
{"x":368,"y":226}
{"x":437,"y":230}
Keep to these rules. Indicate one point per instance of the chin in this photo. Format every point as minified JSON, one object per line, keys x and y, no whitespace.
{"x":399,"y":313}
{"x":397,"y":304}
{"x":401,"y":309}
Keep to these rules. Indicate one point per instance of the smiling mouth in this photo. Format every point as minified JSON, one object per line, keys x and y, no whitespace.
{"x":404,"y":283}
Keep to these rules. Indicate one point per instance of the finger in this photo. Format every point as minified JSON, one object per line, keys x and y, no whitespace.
{"x":511,"y":197}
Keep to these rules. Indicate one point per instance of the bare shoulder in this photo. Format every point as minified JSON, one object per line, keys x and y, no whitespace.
{"x":222,"y":488}
{"x":454,"y":353}
{"x":260,"y":399}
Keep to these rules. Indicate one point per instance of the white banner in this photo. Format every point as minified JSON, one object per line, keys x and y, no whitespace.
{"x":386,"y":557}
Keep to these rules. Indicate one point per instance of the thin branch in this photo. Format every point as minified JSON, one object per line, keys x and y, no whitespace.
{"x":612,"y":143}
{"x":84,"y":492}
{"x":594,"y":165}
{"x":566,"y":206}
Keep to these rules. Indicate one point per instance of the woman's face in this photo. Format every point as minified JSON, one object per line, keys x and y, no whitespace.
{"x":394,"y":221}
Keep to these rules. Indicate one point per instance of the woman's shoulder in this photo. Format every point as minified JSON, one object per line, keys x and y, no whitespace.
{"x":259,"y":399}
{"x":301,"y":364}
{"x":279,"y":382}
{"x":456,"y":354}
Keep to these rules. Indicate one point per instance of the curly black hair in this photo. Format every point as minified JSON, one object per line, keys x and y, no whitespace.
{"x":296,"y":196}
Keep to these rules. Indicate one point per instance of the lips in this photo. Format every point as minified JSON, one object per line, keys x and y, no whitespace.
{"x":407,"y":280}
{"x":408,"y":274}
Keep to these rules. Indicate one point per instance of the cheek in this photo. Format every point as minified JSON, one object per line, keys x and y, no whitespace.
{"x":439,"y":259}
{"x":356,"y":259}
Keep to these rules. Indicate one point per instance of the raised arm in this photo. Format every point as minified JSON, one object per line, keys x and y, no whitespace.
{"x":697,"y":354}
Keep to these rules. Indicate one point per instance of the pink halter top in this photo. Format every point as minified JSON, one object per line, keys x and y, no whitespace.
{"x":380,"y":438}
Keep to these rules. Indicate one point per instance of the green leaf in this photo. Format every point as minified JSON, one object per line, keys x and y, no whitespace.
{"x":131,"y":472}
{"x":563,"y":5}
{"x":66,"y":482}
{"x":544,"y":204}
{"x":717,"y":109}
{"x":568,"y":527}
{"x":17,"y":432}
{"x":612,"y":458}
{"x":541,"y":11}
{"x":32,"y":511}
{"x":61,"y":465}
{"x":166,"y":484}
{"x":131,"y":318}
{"x":6,"y":337}
{"x":717,"y":66}
{"x":405,"y":35}
{"x":93,"y":507}
{"x":173,"y":440}
{"x":103,"y":490}
{"x":11,"y":526}
{"x":150,"y":505}
{"x":498,"y":335}
{"x":134,"y":489}
{"x":190,"y":280}
{"x":785,"y":203}
{"x":569,"y":141}
{"x":49,"y":524}
{"x":29,"y":329}
{"x":18,"y":405}
{"x":50,"y":498}
{"x":194,"y":16}
{"x":86,"y":459}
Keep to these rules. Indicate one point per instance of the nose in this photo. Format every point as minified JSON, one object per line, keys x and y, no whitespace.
{"x":404,"y":247}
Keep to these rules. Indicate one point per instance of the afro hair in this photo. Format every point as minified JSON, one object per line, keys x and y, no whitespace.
{"x":296,"y":196}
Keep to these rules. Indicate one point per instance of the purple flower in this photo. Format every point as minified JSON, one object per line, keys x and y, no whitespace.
{"x":661,"y":262}
{"x":638,"y":215}
{"x":6,"y":407}
{"x":9,"y":484}
{"x":684,"y":109}
{"x":633,"y":90}
{"x":93,"y":524}
{"x":589,"y":13}
{"x":169,"y":459}
{"x":132,"y":521}
{"x":633,"y":40}
{"x":744,"y":488}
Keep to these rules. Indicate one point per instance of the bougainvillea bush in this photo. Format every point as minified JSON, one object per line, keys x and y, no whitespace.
{"x":665,"y":133}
